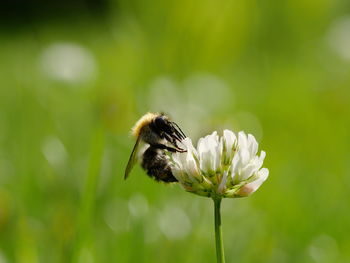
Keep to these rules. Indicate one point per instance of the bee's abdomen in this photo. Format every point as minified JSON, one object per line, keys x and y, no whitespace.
{"x":157,"y":165}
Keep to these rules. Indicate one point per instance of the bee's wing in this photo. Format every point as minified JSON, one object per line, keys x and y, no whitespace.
{"x":132,"y":159}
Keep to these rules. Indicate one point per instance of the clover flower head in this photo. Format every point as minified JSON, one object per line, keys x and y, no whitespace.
{"x":226,"y":166}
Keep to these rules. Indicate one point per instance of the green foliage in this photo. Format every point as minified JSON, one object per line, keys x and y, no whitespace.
{"x":72,"y":88}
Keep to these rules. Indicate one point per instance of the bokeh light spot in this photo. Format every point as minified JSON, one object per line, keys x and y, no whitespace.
{"x":339,"y":37}
{"x":138,"y":205}
{"x":324,"y":249}
{"x":174,"y":223}
{"x":54,"y":151}
{"x":68,"y":62}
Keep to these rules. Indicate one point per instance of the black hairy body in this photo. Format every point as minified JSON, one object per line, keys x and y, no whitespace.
{"x":156,"y":163}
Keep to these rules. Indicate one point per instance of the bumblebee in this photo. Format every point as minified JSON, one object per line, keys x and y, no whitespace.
{"x":161,"y":135}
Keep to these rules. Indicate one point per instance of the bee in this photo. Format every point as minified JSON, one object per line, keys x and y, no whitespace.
{"x":162,"y":135}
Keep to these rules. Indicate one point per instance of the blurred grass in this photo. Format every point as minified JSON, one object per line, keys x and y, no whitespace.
{"x":275,"y":69}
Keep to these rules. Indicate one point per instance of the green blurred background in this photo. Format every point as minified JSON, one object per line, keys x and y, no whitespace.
{"x":75,"y":76}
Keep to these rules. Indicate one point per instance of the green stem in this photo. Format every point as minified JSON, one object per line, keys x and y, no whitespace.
{"x":218,"y":235}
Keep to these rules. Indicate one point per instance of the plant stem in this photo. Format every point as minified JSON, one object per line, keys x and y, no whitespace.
{"x":218,"y":235}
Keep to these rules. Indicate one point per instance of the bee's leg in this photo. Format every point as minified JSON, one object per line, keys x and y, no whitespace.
{"x":178,"y":130}
{"x":164,"y":147}
{"x":172,"y":140}
{"x":177,"y":147}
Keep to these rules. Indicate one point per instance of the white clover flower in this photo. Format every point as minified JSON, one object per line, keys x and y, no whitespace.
{"x":220,"y":167}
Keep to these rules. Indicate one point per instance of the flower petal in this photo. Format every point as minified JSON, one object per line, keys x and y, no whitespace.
{"x":230,"y":138}
{"x":244,"y":157}
{"x":242,"y":140}
{"x":252,"y":145}
{"x":250,"y":188}
{"x":248,"y":171}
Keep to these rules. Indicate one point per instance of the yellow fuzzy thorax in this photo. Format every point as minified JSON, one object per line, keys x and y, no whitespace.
{"x":144,"y":121}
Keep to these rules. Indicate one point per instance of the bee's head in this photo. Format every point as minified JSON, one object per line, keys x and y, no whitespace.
{"x":163,"y":124}
{"x":170,"y":130}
